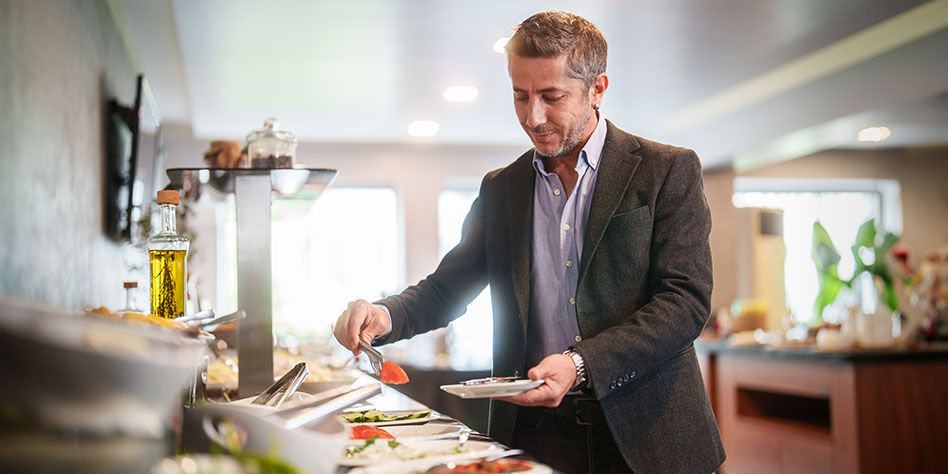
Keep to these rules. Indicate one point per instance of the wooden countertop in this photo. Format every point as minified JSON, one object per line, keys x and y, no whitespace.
{"x":930,"y":351}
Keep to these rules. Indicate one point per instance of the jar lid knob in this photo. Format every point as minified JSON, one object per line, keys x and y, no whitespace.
{"x":271,"y":124}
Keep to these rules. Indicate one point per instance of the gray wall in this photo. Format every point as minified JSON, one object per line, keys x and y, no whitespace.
{"x":58,"y":62}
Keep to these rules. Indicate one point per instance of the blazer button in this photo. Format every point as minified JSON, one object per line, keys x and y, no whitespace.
{"x":612,"y":386}
{"x":516,"y":373}
{"x":632,"y":374}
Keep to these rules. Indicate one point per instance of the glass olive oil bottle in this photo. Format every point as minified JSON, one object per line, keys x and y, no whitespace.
{"x":167,"y":251}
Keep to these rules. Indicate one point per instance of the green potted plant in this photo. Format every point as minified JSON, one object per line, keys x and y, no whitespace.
{"x":870,"y":252}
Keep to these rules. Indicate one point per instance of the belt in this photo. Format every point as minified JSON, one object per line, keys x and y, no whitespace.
{"x":585,"y":411}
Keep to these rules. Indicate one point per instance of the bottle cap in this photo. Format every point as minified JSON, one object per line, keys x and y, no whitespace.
{"x":130,"y":284}
{"x":168,"y":196}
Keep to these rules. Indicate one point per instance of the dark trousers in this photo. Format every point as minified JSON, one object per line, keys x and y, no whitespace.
{"x":572,"y":438}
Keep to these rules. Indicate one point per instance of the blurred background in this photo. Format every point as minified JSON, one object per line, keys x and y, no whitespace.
{"x":801,"y":111}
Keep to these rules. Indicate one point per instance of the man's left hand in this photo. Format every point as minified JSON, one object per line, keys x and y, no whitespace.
{"x":559,"y":374}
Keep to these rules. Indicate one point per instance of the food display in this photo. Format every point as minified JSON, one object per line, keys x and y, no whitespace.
{"x":497,"y":466}
{"x":375,"y":450}
{"x":369,"y":432}
{"x":376,"y":416}
{"x":140,"y":318}
{"x":222,"y":371}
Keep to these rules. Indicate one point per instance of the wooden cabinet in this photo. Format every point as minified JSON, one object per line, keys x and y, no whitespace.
{"x":789,"y":411}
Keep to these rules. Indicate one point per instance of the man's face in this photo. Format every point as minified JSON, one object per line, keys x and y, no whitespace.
{"x":554,"y":109}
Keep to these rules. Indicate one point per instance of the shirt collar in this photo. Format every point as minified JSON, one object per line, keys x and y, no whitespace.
{"x":591,"y":152}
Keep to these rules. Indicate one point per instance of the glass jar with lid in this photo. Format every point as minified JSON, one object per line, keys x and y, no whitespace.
{"x":271,"y":147}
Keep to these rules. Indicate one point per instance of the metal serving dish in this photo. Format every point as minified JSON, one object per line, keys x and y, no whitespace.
{"x":74,"y":379}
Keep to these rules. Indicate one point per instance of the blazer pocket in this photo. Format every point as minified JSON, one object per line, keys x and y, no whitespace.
{"x":636,"y":214}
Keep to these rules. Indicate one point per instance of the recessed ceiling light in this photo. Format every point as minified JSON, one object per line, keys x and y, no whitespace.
{"x":423,"y":128}
{"x":460,"y":93}
{"x":873,"y":134}
{"x":499,"y":45}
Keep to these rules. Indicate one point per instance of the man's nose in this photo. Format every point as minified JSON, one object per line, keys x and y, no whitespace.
{"x":536,"y":113}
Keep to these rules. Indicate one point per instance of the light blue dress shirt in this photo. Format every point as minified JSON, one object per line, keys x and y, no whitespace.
{"x":558,"y":226}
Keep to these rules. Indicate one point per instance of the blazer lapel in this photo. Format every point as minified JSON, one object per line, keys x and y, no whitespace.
{"x":616,"y":168}
{"x":520,"y":184}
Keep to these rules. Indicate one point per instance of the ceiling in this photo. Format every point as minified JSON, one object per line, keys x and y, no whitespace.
{"x":729,"y":78}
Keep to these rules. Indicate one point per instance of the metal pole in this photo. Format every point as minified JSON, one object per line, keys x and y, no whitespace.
{"x":254,"y":283}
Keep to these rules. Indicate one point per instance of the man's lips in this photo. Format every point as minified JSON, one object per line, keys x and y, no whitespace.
{"x":542,"y":136}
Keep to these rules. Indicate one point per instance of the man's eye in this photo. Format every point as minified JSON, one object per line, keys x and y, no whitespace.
{"x":553,"y":98}
{"x":520,"y":98}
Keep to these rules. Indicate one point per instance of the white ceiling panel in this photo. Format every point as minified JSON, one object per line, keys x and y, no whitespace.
{"x":361,"y":70}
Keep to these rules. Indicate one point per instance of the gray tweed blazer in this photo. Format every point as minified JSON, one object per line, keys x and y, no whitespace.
{"x":644,"y":295}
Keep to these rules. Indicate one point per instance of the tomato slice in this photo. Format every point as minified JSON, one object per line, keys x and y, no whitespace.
{"x":368,"y":432}
{"x":392,"y":373}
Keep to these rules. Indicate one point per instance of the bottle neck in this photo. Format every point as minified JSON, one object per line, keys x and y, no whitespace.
{"x":130,"y":298}
{"x":168,"y":225}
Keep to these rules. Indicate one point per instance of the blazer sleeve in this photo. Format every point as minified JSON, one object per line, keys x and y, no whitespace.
{"x":444,"y":295}
{"x":680,"y":279}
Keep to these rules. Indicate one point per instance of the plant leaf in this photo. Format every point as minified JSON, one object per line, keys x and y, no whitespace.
{"x":826,"y":258}
{"x":890,"y":297}
{"x":824,"y":252}
{"x":866,"y":235}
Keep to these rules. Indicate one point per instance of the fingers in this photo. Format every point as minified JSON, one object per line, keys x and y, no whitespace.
{"x":356,"y":322}
{"x":361,"y":322}
{"x":558,"y":373}
{"x":543,"y":396}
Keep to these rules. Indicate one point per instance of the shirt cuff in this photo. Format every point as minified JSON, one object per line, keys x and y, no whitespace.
{"x":389,"y":313}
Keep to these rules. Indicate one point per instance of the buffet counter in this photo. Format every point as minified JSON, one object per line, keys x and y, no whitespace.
{"x":403,"y":446}
{"x":799,"y":409}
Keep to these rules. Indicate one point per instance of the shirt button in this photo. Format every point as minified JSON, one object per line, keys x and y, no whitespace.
{"x":565,"y":226}
{"x":569,"y":263}
{"x":556,"y":192}
{"x":578,"y":338}
{"x":572,"y":301}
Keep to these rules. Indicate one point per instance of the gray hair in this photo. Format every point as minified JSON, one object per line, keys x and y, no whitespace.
{"x":552,"y":33}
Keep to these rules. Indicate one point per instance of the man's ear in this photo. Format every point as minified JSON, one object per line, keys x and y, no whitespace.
{"x":598,"y":88}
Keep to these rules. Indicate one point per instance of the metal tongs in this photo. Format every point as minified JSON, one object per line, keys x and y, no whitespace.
{"x":326,"y":403}
{"x":207,"y":318}
{"x":199,"y":316}
{"x":375,"y":357}
{"x":281,"y":390}
{"x":212,"y":323}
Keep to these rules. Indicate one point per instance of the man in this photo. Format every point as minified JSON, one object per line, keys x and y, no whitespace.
{"x":595,"y":246}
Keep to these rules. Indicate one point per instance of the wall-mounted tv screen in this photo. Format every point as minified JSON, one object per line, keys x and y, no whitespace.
{"x":134,"y":159}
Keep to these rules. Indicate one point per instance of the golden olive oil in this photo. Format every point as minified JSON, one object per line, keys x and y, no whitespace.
{"x":167,"y":282}
{"x":167,"y":251}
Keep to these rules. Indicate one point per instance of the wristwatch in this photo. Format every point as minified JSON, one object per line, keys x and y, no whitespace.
{"x":580,"y":368}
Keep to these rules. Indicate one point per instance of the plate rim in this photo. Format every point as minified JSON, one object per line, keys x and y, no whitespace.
{"x":492,"y":390}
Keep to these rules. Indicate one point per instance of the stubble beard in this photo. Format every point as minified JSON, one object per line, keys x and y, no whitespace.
{"x":573,"y":141}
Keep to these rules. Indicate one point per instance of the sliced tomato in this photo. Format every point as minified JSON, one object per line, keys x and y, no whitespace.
{"x":368,"y":432}
{"x":392,"y":373}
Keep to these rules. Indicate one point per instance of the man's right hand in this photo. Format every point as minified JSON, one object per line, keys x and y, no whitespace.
{"x":361,"y":321}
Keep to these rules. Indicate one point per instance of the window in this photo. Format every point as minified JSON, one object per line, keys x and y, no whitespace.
{"x":840,"y":205}
{"x":470,"y":337}
{"x":328,"y":253}
{"x":323,"y":256}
